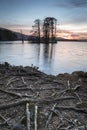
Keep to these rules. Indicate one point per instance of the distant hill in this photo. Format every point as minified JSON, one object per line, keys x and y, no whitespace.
{"x":8,"y":35}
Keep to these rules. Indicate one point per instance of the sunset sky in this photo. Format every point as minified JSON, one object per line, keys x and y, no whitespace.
{"x":71,"y":15}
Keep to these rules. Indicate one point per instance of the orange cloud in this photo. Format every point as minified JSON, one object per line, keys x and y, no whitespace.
{"x":71,"y":35}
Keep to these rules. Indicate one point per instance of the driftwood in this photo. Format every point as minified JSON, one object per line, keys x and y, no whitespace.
{"x":11,"y":93}
{"x":22,"y":89}
{"x":57,"y":112}
{"x":35,"y":118}
{"x":50,"y":116}
{"x":59,"y":126}
{"x":3,"y":124}
{"x":25,"y":100}
{"x":21,"y":85}
{"x":5,"y":121}
{"x":15,"y":94}
{"x":33,"y":89}
{"x":68,"y":84}
{"x":82,"y":110}
{"x":54,"y":100}
{"x":26,"y":74}
{"x":43,"y":90}
{"x":70,"y":89}
{"x":23,"y":81}
{"x":16,"y":103}
{"x":28,"y":116}
{"x":11,"y":81}
{"x":80,"y":128}
{"x":67,"y":128}
{"x":78,"y":96}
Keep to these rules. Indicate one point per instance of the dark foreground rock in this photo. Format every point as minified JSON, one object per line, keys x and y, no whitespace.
{"x":32,"y":100}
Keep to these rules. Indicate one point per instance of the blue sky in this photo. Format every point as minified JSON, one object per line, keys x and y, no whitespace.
{"x":20,"y":14}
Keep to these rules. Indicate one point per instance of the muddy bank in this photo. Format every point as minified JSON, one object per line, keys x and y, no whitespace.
{"x":32,"y":100}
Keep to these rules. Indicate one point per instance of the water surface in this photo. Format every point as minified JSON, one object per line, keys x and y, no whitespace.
{"x":50,"y":58}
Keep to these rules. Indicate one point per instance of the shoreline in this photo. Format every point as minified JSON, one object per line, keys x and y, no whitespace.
{"x":61,"y":99}
{"x":36,"y":68}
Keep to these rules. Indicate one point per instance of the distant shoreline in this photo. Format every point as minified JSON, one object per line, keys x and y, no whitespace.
{"x":65,"y":40}
{"x":8,"y":35}
{"x":73,"y":40}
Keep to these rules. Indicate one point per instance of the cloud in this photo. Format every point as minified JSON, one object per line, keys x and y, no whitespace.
{"x":15,"y":26}
{"x":78,"y":22}
{"x":78,"y":3}
{"x":72,"y":11}
{"x":71,"y":3}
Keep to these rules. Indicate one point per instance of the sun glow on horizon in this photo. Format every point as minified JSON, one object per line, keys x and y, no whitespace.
{"x":62,"y":33}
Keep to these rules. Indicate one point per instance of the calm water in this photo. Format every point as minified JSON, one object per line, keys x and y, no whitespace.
{"x":51,"y":59}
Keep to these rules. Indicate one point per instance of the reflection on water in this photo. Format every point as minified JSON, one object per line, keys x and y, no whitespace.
{"x":51,"y":58}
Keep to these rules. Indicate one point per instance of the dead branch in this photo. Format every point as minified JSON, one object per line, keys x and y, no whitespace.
{"x":25,"y":100}
{"x":2,"y":117}
{"x":21,"y":85}
{"x":62,"y":116}
{"x":11,"y":80}
{"x":80,"y":128}
{"x":23,"y":81}
{"x":5,"y":120}
{"x":77,"y":87}
{"x":11,"y":93}
{"x":50,"y":116}
{"x":21,"y":89}
{"x":78,"y":96}
{"x":68,"y":84}
{"x":52,"y":100}
{"x":35,"y":118}
{"x":3,"y":124}
{"x":82,"y":110}
{"x":70,"y":89}
{"x":59,"y":126}
{"x":28,"y":116}
{"x":16,"y":103}
{"x":67,"y":128}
